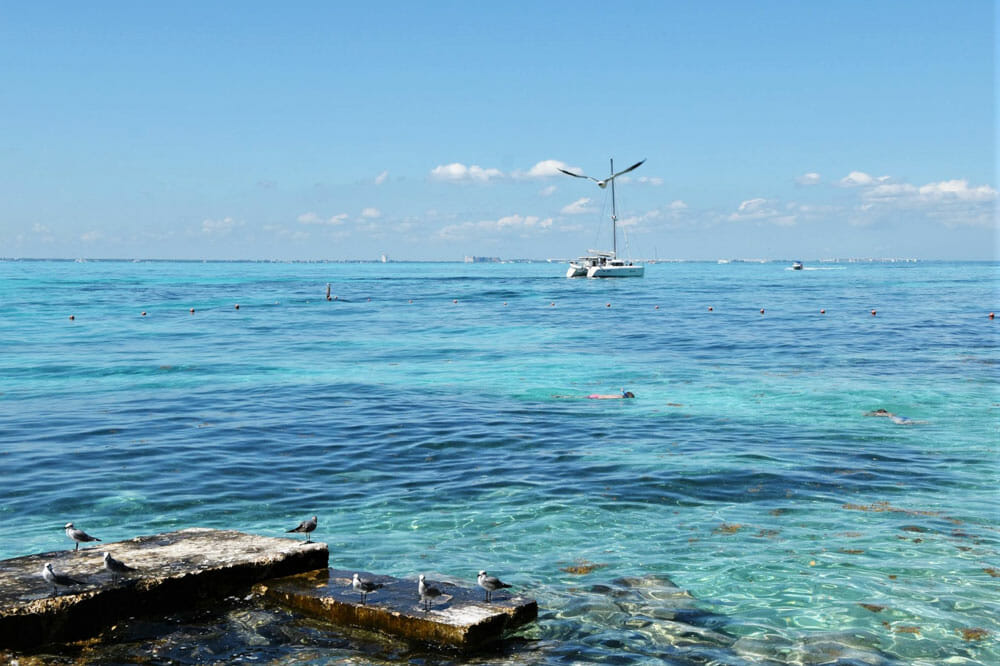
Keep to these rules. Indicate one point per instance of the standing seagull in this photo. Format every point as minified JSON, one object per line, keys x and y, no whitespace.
{"x":427,"y":593}
{"x":116,"y":567}
{"x":604,"y":183}
{"x":364,"y":587}
{"x":78,"y":535}
{"x":57,"y":579}
{"x":490,"y":583}
{"x":306,"y":526}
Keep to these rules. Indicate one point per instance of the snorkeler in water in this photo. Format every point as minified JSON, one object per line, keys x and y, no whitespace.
{"x":611,"y":396}
{"x":895,"y":418}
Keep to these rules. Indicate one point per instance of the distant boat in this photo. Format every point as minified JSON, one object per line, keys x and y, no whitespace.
{"x":797,"y":266}
{"x":603,"y":264}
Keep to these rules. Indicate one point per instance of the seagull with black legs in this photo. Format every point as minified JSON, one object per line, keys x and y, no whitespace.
{"x":79,"y":536}
{"x":604,"y":183}
{"x":491,"y":584}
{"x":116,"y":567}
{"x":306,"y":527}
{"x":365,"y":587}
{"x":56,"y":579}
{"x":427,"y":592}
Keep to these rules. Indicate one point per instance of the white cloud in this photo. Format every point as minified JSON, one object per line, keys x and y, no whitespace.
{"x":578,"y":207}
{"x":381,"y":178}
{"x":547,"y":191}
{"x":860,"y":178}
{"x":91,"y":236}
{"x":459,"y":172}
{"x":951,"y":202}
{"x":762,"y":210}
{"x":957,"y":190}
{"x":518,"y":224}
{"x":650,"y":180}
{"x":678,"y":205}
{"x":545,"y":168}
{"x":221,"y":227}
{"x":371,"y":213}
{"x":811,"y":178}
{"x":313,"y":218}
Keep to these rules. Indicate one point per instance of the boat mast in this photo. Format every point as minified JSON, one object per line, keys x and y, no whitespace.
{"x":614,"y":214}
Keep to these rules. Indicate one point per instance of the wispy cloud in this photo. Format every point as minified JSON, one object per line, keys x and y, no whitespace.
{"x":221,"y":227}
{"x":313,"y":218}
{"x":516,"y":224}
{"x":547,"y":191}
{"x":951,"y":202}
{"x":371,"y":213}
{"x":763,"y":210}
{"x":457,"y":172}
{"x":860,"y":179}
{"x":578,"y":207}
{"x":811,"y":178}
{"x":381,"y":178}
{"x":544,"y":169}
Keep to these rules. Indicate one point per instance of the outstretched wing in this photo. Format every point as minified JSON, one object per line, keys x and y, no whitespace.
{"x":634,"y":166}
{"x":575,"y":175}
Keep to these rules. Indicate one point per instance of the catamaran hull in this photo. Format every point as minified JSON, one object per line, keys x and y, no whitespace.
{"x":615,"y":271}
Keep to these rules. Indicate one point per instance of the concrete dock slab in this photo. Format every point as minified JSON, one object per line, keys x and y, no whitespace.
{"x":173,"y":570}
{"x":459,"y":619}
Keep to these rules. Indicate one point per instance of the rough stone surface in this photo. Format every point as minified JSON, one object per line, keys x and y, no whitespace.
{"x":174,"y":570}
{"x":459,"y":619}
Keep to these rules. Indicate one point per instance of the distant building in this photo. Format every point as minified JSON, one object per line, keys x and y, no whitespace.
{"x":482,"y":260}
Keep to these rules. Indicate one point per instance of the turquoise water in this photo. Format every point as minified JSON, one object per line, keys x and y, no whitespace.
{"x":451,"y":434}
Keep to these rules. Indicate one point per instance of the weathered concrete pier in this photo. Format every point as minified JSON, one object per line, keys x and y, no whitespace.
{"x":173,"y":570}
{"x":178,"y":570}
{"x":459,"y":618}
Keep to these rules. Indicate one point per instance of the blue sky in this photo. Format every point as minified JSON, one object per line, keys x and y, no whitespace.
{"x":433,"y":130}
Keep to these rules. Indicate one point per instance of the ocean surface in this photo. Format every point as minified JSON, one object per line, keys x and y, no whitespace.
{"x":742,"y":509}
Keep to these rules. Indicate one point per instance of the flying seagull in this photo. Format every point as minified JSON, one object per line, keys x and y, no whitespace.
{"x":427,"y":593}
{"x":604,"y":183}
{"x":491,"y":583}
{"x":57,"y":579}
{"x":364,"y":587}
{"x":306,"y":526}
{"x":78,"y":535}
{"x":116,"y":567}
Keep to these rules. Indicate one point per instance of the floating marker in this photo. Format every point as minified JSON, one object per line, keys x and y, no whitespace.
{"x":709,"y":308}
{"x":72,"y":317}
{"x":191,"y":310}
{"x":608,"y":305}
{"x":873,"y":313}
{"x":657,"y":307}
{"x":822,"y":311}
{"x":762,"y":310}
{"x":237,"y":306}
{"x":143,"y":313}
{"x":991,"y":315}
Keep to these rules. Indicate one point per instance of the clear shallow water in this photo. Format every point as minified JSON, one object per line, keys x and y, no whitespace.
{"x":445,"y":437}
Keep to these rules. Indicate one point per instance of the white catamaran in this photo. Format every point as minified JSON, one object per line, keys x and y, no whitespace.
{"x":601,"y":264}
